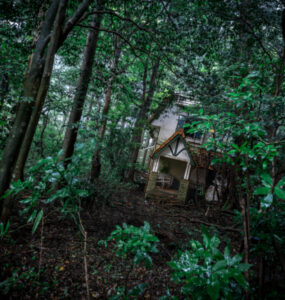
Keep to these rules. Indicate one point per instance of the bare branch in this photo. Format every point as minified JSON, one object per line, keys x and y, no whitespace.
{"x":118,"y":34}
{"x":113,"y":13}
{"x":74,"y":19}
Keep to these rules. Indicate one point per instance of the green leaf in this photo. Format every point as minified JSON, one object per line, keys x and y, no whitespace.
{"x":267,"y":178}
{"x":267,"y":201}
{"x":4,"y":229}
{"x":37,"y":221}
{"x":243,"y":267}
{"x":239,"y":277}
{"x":32,"y":216}
{"x":236,"y":259}
{"x":262,"y":191}
{"x":279,"y":193}
{"x":219,"y":265}
{"x":206,"y":240}
{"x":137,"y":290}
{"x":214,"y":289}
{"x":281,"y":182}
{"x":227,"y":255}
{"x":148,"y":260}
{"x":214,"y":243}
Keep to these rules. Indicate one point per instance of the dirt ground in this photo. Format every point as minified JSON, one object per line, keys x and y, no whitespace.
{"x":50,"y":263}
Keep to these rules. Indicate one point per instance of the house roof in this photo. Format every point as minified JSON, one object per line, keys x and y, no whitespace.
{"x":198,"y":157}
{"x":177,"y":136}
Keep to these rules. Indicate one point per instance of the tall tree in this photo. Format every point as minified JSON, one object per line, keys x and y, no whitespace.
{"x":142,"y":116}
{"x":81,"y":89}
{"x":96,"y":159}
{"x":53,"y":34}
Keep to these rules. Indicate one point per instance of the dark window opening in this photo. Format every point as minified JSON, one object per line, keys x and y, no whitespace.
{"x":182,"y":120}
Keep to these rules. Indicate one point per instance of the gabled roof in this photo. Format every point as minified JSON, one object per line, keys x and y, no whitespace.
{"x":177,"y":136}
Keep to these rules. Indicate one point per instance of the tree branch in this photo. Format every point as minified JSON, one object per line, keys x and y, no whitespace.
{"x":118,"y":34}
{"x":111,"y":12}
{"x":74,"y":19}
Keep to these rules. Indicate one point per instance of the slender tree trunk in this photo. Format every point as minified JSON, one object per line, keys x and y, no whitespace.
{"x":81,"y":90}
{"x":96,"y":159}
{"x":142,"y":116}
{"x":146,"y":150}
{"x":280,"y":73}
{"x":45,"y":123}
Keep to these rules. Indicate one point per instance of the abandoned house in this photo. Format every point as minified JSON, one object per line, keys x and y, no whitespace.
{"x":178,"y":169}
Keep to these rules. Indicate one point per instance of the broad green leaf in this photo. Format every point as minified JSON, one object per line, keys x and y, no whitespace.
{"x":243,"y":267}
{"x":214,"y":242}
{"x":239,"y":277}
{"x":214,"y":289}
{"x":262,"y":191}
{"x":267,"y":178}
{"x":279,"y":193}
{"x":236,"y":259}
{"x":281,"y":182}
{"x":221,"y":264}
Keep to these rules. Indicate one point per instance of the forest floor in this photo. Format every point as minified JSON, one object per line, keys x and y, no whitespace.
{"x":50,"y":263}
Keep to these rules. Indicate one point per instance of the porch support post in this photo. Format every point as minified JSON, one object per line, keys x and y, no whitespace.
{"x":183,"y":190}
{"x":151,"y":183}
{"x":187,"y":171}
{"x":155,"y":165}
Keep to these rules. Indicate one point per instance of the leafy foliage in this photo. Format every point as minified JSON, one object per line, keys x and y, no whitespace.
{"x":4,"y":229}
{"x":135,"y":241}
{"x":43,"y":177}
{"x":205,"y":272}
{"x":219,"y":54}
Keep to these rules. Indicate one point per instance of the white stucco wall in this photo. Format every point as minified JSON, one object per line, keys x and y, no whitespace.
{"x":167,"y":122}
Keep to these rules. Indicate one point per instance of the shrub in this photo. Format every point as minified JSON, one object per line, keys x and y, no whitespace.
{"x":136,"y":243}
{"x":207,"y":273}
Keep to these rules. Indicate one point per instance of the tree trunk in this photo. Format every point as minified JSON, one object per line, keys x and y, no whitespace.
{"x":45,"y":123}
{"x":96,"y":159}
{"x":81,"y":90}
{"x":280,"y":70}
{"x":42,"y":91}
{"x":31,"y":90}
{"x":31,"y":86}
{"x":146,"y":150}
{"x":142,"y":117}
